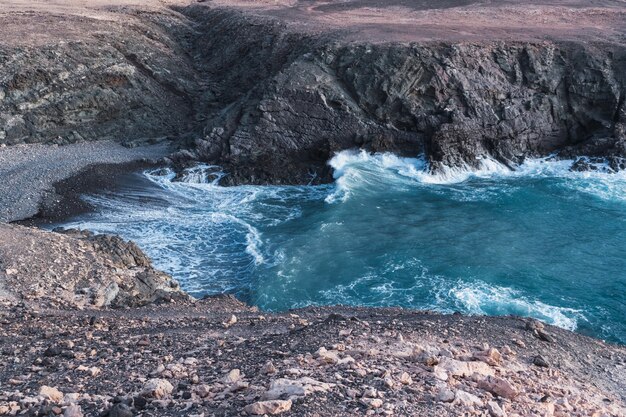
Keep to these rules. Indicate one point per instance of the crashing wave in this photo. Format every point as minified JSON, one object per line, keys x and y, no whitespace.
{"x":355,"y":170}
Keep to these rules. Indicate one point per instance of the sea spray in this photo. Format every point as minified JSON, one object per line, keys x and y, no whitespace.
{"x":537,"y":240}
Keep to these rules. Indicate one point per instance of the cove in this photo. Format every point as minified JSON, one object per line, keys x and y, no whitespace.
{"x":537,"y":241}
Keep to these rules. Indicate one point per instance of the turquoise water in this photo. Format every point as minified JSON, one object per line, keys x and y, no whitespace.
{"x":540,"y":241}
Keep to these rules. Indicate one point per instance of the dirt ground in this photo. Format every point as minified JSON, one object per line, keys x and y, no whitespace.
{"x":32,"y":22}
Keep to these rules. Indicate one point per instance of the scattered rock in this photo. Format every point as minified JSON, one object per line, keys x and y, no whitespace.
{"x":464,"y":369}
{"x":120,"y":410}
{"x":231,"y":321}
{"x":287,"y":388}
{"x":232,"y":376}
{"x":498,"y":386}
{"x":73,"y":411}
{"x":490,"y":356}
{"x":466,"y":399}
{"x":50,"y":393}
{"x":372,"y":402}
{"x":445,"y":395}
{"x":268,"y":407}
{"x":157,"y":388}
{"x":540,"y":361}
{"x":495,"y":410}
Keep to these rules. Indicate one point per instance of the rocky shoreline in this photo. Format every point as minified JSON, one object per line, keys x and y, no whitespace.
{"x":270,"y":90}
{"x":219,"y":357}
{"x":91,"y":329}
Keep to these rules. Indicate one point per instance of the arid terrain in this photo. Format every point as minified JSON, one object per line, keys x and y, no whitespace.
{"x":270,"y":90}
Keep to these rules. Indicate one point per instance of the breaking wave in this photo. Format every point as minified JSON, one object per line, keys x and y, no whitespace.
{"x":537,"y":240}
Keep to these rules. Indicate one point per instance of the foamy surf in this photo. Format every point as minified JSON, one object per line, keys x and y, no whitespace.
{"x":538,"y":240}
{"x":359,"y":169}
{"x":479,"y":298}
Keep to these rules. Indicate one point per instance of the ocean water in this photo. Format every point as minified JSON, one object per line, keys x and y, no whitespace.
{"x":538,"y":241}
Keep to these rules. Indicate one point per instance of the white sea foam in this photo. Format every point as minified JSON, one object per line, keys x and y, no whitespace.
{"x":358,"y":170}
{"x":481,"y":298}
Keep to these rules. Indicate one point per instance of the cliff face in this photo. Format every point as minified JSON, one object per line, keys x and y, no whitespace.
{"x":458,"y":102}
{"x":272,"y":101}
{"x":102,"y":79}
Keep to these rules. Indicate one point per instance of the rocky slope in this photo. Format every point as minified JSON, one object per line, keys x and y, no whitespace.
{"x":78,"y":270}
{"x":271,"y":90}
{"x":75,"y":343}
{"x":218,"y":357}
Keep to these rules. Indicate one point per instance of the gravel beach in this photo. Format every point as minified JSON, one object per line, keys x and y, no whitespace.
{"x":29,"y":172}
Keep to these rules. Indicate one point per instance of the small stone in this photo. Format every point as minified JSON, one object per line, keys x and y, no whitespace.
{"x":157,"y":388}
{"x":50,"y":393}
{"x":540,"y":361}
{"x":543,"y":335}
{"x":268,"y":407}
{"x":139,"y":403}
{"x":231,"y":321}
{"x":73,"y":411}
{"x":52,"y":351}
{"x":495,"y":410}
{"x":498,"y":386}
{"x":203,"y":390}
{"x":534,"y":325}
{"x":519,"y":343}
{"x":269,"y":368}
{"x":405,"y":378}
{"x":445,"y":395}
{"x":372,"y":402}
{"x":190,"y":361}
{"x":490,"y":356}
{"x":233,"y":376}
{"x":467,"y":399}
{"x":325,"y":356}
{"x":120,"y":410}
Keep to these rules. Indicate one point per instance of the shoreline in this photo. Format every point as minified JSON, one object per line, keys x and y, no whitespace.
{"x":226,"y":358}
{"x":270,"y":89}
{"x":32,"y":173}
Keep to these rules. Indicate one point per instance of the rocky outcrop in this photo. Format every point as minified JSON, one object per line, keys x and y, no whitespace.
{"x":78,"y":269}
{"x":118,"y":79}
{"x":457,"y":102}
{"x":271,"y":101}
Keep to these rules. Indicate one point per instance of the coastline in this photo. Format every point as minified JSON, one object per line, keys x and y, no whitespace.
{"x":219,"y":356}
{"x":271,"y":89}
{"x":50,"y":178}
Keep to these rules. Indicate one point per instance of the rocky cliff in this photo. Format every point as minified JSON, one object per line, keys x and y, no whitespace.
{"x":270,"y":92}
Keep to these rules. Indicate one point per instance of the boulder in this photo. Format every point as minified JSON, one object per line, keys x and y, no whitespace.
{"x":463,"y":369}
{"x":289,"y":388}
{"x":498,"y":386}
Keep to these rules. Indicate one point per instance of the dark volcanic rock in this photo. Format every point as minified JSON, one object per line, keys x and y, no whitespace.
{"x":272,"y":100}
